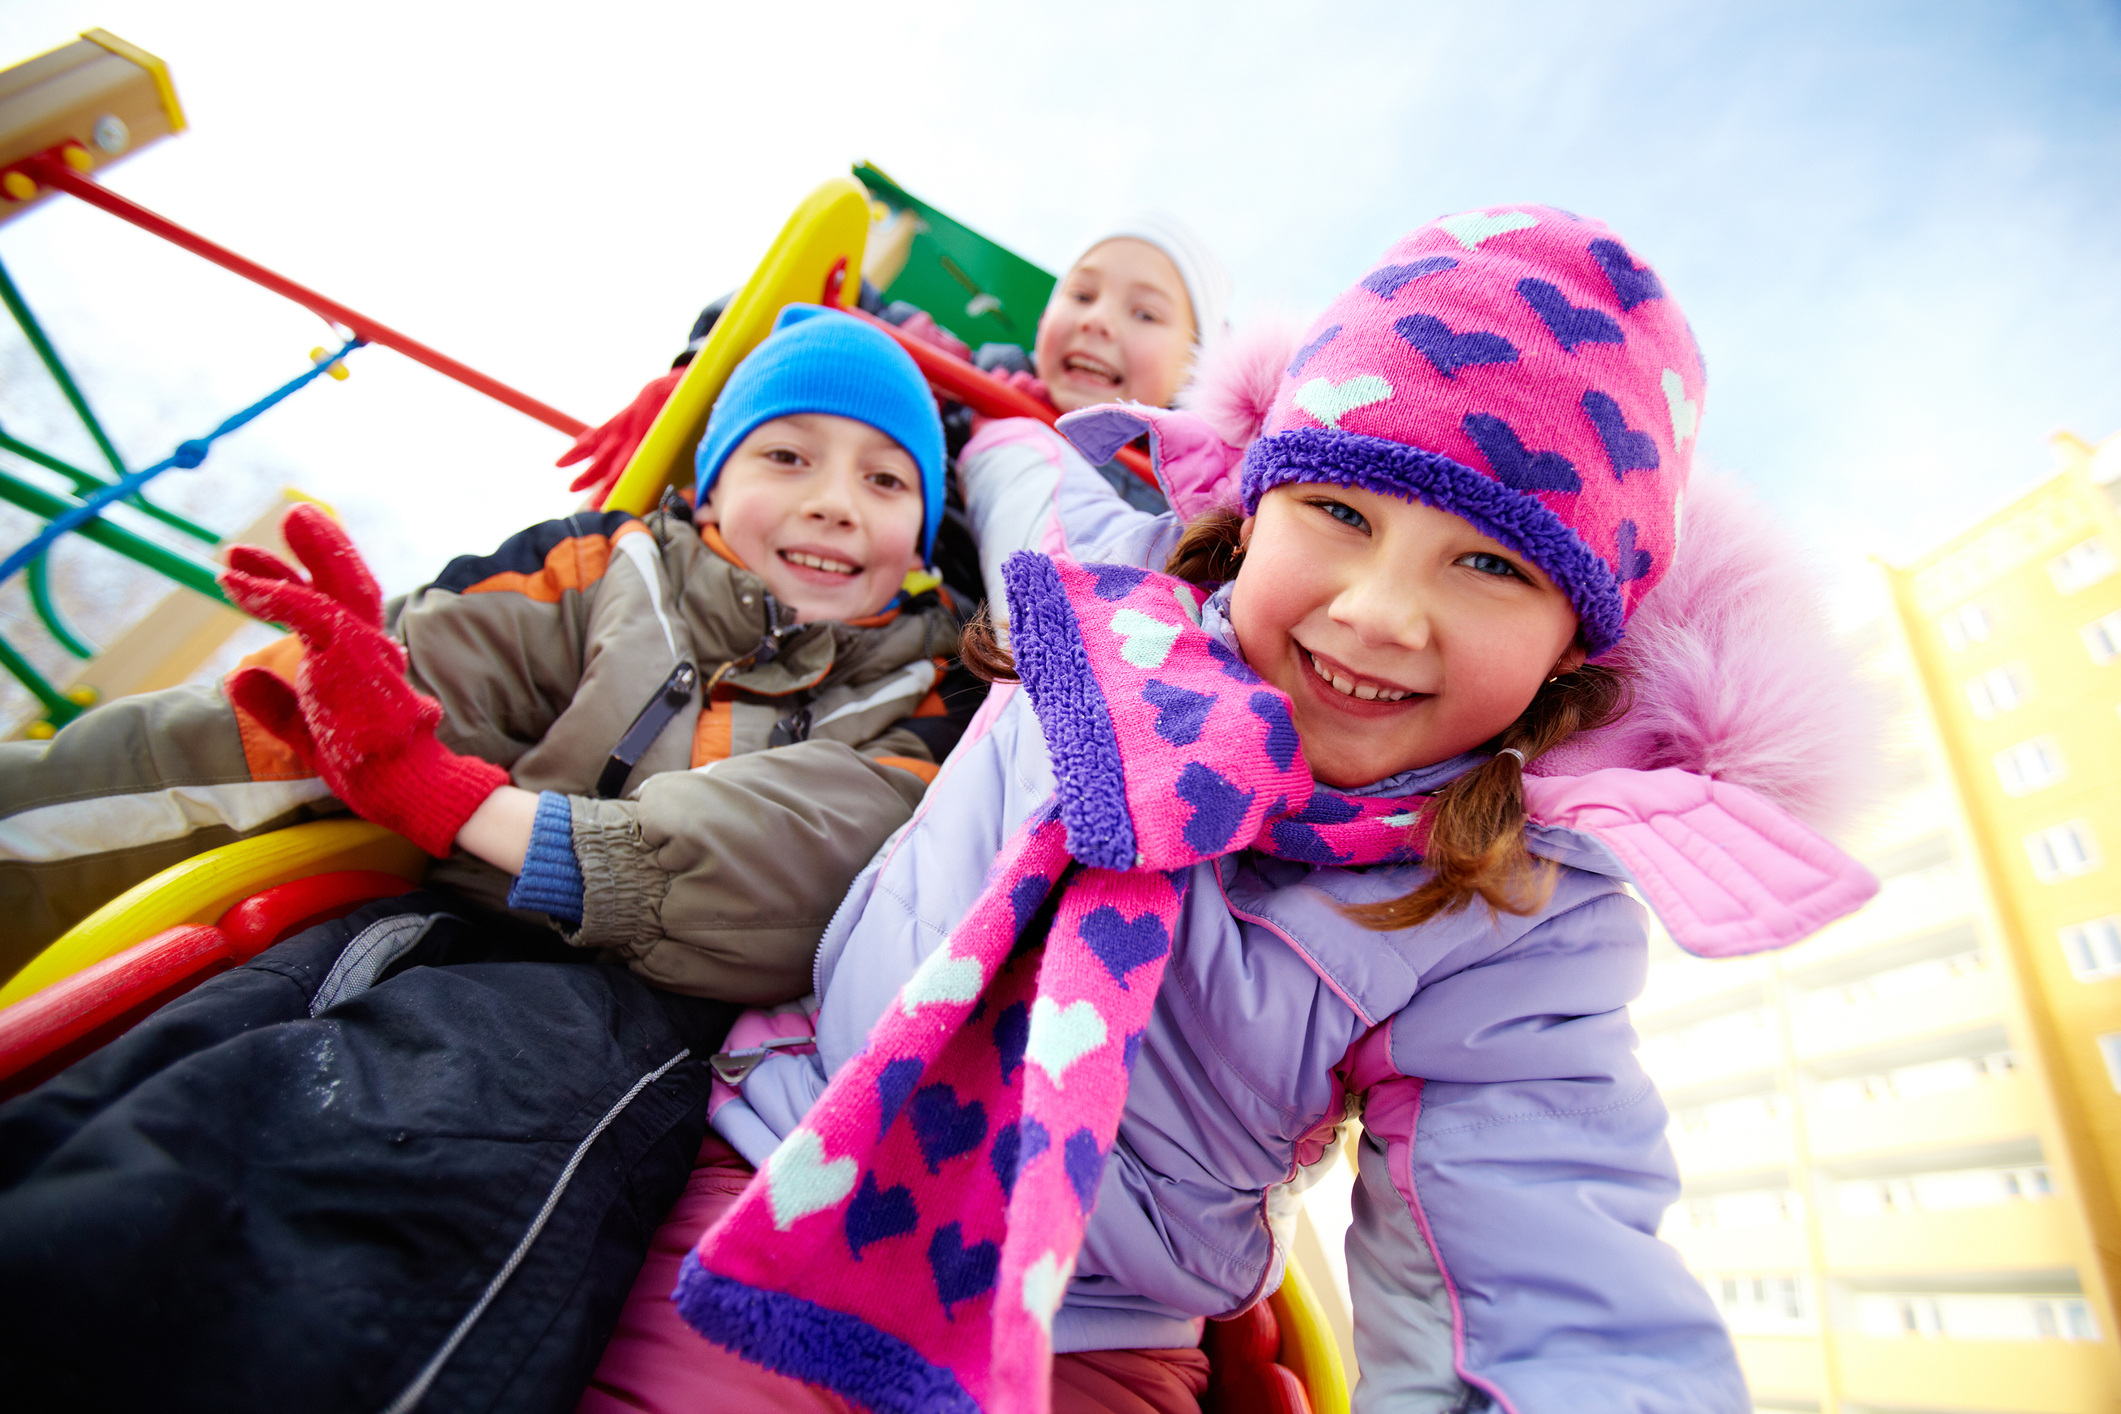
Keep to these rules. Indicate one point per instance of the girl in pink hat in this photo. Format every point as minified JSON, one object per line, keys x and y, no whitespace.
{"x":1326,"y":801}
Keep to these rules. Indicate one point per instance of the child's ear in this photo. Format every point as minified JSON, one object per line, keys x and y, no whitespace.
{"x":1570,"y":660}
{"x":704,"y":511}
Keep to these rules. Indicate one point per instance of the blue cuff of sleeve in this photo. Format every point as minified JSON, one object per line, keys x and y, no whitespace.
{"x":551,"y":881}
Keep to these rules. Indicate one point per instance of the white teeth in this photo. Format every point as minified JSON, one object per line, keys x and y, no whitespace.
{"x":818,"y":562}
{"x":1367,"y":692}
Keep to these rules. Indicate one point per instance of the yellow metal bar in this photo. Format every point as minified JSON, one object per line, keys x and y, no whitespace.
{"x":202,"y":888}
{"x":830,"y":225}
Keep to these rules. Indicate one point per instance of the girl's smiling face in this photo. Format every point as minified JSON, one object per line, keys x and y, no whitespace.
{"x":1119,"y":327}
{"x":1402,"y":635}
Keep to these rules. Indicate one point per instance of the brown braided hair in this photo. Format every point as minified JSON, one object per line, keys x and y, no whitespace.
{"x":1476,"y":823}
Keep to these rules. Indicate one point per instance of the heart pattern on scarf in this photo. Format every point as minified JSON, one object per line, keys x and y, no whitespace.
{"x":892,"y":1087}
{"x":1388,"y":280}
{"x":1045,"y":1284}
{"x":1470,"y":228}
{"x":1014,"y":1146}
{"x":961,"y":1271}
{"x":801,"y":1181}
{"x":1633,"y":563}
{"x":1514,"y":463}
{"x":1123,"y":944}
{"x":943,"y":1127}
{"x":1086,"y":1165}
{"x":1011,"y":1030}
{"x":1180,"y":712}
{"x":1570,"y":324}
{"x":1627,"y":449}
{"x":1329,"y":402}
{"x":1447,"y":352}
{"x":878,"y":1213}
{"x":1061,"y":1036}
{"x":1144,"y":642}
{"x":1218,"y":807}
{"x":1686,"y":413}
{"x":942,"y":978}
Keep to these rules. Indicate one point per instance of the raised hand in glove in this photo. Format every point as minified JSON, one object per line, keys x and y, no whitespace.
{"x":610,"y":447}
{"x":350,"y":715}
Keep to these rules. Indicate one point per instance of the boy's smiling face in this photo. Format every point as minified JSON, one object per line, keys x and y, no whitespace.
{"x":826,"y":510}
{"x":1119,"y":327}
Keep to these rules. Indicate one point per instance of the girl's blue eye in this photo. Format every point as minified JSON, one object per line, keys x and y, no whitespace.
{"x":1491,"y":564}
{"x":1346,"y":514}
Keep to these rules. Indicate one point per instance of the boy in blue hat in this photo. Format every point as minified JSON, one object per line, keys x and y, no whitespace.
{"x":424,"y":1173}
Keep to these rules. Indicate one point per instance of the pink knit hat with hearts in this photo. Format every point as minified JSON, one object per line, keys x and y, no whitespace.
{"x":1517,"y":367}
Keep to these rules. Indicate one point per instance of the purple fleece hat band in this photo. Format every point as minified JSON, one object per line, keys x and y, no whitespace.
{"x":1519,"y":368}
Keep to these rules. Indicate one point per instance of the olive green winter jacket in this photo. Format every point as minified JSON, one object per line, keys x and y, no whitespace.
{"x":715,"y":869}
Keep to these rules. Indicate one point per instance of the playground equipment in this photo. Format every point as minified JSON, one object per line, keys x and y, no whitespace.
{"x":63,"y":117}
{"x":218,"y":909}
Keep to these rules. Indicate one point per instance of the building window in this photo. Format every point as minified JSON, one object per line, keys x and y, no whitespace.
{"x":2094,"y":948}
{"x":2081,"y":566}
{"x":1969,"y":623}
{"x":2110,"y":1052}
{"x":2029,"y":765}
{"x":2062,"y":852}
{"x":2103,"y":637}
{"x":1999,"y":690}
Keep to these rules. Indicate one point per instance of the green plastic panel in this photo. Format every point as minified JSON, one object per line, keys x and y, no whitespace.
{"x":979,"y":291}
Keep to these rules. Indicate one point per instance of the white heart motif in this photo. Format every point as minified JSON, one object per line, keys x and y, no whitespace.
{"x":1061,"y":1036}
{"x":1470,"y":228}
{"x":1045,"y":1283}
{"x":1329,"y":402}
{"x":800,"y":1181}
{"x":1187,"y":604}
{"x":942,"y":978}
{"x":1686,"y":413}
{"x":1144,"y":642}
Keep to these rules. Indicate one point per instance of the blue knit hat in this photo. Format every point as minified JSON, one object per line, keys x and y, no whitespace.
{"x":819,"y":360}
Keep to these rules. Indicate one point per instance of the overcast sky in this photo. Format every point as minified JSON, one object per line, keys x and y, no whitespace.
{"x":1894,"y":226}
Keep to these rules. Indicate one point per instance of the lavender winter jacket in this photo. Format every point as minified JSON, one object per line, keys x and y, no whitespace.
{"x":1513,"y":1166}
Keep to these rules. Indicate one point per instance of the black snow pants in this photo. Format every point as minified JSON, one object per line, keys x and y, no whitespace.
{"x":408,"y":1160}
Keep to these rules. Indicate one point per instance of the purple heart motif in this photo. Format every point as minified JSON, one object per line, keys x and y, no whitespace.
{"x":1570,"y":324}
{"x":1122,"y":944}
{"x":1116,"y":582}
{"x":1273,"y":709}
{"x":1086,"y":1165}
{"x":1300,"y":842}
{"x":961,"y":1272}
{"x":1026,"y":895}
{"x":1012,"y":1030}
{"x":1014,"y":1146}
{"x":1627,"y":449}
{"x":892,"y":1088}
{"x":1218,"y":807}
{"x":878,"y":1213}
{"x":1304,"y":354}
{"x":1634,"y":563}
{"x":1327,"y":807}
{"x":1388,"y":280}
{"x":1233,"y":667}
{"x":1632,"y":283}
{"x":1448,"y":352}
{"x":944,"y":1127}
{"x":1180,"y":712}
{"x":1513,"y":462}
{"x":1132,"y":1049}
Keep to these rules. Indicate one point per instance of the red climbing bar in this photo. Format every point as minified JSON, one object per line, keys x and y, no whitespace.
{"x":50,"y":170}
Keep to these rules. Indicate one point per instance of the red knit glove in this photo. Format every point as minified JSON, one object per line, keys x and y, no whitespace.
{"x":921,"y":325}
{"x":610,"y":447}
{"x":350,"y":715}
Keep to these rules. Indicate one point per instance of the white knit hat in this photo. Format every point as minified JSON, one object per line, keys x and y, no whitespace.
{"x":1207,"y":282}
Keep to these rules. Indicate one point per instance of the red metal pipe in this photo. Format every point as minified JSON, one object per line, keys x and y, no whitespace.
{"x":989,"y":397}
{"x":52,"y":171}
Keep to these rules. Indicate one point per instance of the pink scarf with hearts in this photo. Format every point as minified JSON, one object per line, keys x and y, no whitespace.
{"x":908,"y":1244}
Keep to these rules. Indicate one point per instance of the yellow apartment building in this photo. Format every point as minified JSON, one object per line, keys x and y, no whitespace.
{"x":1896,"y":1138}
